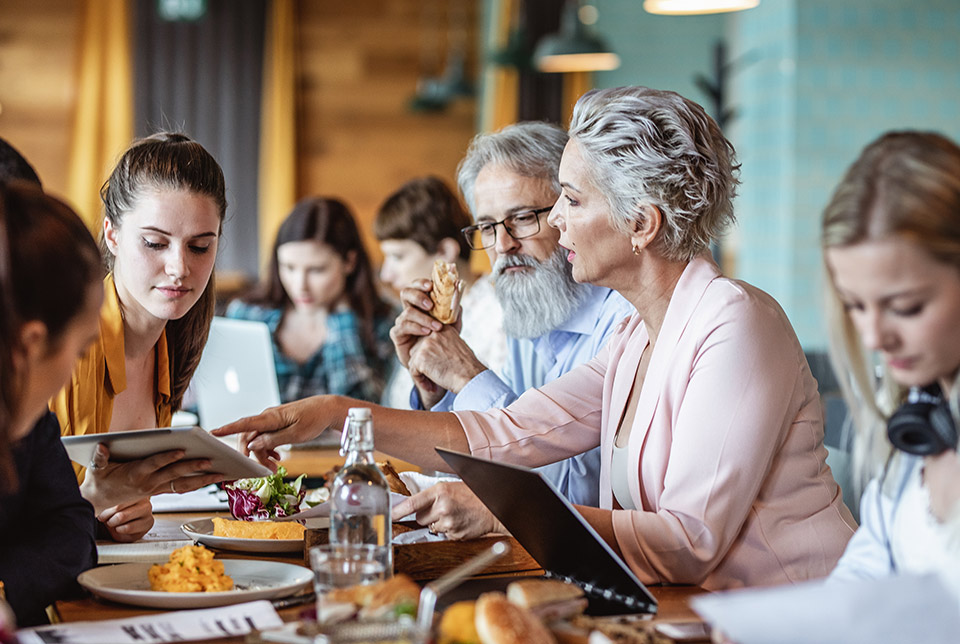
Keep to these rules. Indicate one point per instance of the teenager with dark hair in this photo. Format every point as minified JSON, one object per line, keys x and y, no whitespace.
{"x":330,"y":327}
{"x":164,"y":205}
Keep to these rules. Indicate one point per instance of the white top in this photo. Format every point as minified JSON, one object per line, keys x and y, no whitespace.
{"x":619,"y":478}
{"x":898,"y":533}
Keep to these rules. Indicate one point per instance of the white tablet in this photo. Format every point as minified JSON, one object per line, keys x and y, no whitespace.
{"x":141,"y":443}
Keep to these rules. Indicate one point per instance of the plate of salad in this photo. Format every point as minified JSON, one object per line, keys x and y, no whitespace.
{"x":267,"y":498}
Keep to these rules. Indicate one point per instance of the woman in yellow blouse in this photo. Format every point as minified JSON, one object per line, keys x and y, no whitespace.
{"x":164,"y":205}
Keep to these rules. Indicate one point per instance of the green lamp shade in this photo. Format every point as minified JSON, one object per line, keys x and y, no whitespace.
{"x":573,"y":48}
{"x":557,"y":53}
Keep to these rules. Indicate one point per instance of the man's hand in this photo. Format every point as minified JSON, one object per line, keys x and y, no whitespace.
{"x":128,"y":522}
{"x":941,"y":475}
{"x":415,"y":321}
{"x":108,"y":484}
{"x":295,"y":422}
{"x":445,"y":359}
{"x":450,"y":508}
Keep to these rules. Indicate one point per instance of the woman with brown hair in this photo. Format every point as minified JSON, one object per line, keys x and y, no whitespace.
{"x":164,"y":205}
{"x":50,"y":293}
{"x":330,"y":327}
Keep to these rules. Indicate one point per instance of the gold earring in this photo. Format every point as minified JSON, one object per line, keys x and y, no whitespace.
{"x":636,"y":250}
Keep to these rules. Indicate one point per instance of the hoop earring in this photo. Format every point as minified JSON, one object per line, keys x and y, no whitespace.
{"x":636,"y":250}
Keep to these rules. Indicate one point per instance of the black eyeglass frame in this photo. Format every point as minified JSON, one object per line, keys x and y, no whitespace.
{"x":470,"y":231}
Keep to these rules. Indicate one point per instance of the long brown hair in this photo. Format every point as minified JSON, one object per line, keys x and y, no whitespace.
{"x":329,"y":222}
{"x":48,"y":261}
{"x":904,"y":184}
{"x":170,"y":161}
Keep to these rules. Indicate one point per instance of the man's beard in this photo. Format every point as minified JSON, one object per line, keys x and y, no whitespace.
{"x":539,"y":300}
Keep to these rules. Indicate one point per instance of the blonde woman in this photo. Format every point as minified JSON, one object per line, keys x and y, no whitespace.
{"x":891,"y":239}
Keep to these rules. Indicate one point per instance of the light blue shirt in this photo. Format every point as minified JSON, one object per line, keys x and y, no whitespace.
{"x":535,"y":362}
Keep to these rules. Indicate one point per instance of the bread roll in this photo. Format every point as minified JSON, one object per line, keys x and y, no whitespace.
{"x":445,"y":278}
{"x":533,"y":592}
{"x":500,"y":621}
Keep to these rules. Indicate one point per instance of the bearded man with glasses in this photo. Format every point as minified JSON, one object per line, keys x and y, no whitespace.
{"x":553,"y":324}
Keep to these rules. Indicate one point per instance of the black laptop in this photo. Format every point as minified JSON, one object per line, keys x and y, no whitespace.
{"x":554,"y":533}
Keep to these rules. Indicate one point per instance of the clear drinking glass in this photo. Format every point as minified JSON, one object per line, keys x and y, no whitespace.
{"x":341,"y":566}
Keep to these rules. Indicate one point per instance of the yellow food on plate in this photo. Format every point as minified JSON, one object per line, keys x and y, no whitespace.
{"x":257,"y":529}
{"x":191,"y":569}
{"x":457,"y":624}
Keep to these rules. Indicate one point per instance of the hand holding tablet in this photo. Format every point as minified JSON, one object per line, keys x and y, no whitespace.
{"x":193,"y":442}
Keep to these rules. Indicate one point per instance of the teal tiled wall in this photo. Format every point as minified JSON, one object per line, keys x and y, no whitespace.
{"x":664,"y":52}
{"x":827,"y":77}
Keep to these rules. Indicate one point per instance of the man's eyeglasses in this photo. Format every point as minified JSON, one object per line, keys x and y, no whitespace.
{"x":519,"y":225}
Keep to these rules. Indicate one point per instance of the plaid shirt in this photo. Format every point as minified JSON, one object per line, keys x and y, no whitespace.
{"x":342,"y":365}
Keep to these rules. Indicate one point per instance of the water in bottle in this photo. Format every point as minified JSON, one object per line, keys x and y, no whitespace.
{"x":360,"y":499}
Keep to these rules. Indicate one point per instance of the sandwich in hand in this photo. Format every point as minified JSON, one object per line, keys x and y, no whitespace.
{"x":548,"y":599}
{"x":445,"y":278}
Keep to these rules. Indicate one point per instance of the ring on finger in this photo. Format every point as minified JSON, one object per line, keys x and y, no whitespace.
{"x":432,"y":529}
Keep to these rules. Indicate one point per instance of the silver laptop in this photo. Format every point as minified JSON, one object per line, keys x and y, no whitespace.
{"x":236,"y":376}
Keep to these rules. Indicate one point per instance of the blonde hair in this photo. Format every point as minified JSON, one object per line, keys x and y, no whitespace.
{"x":905,"y":184}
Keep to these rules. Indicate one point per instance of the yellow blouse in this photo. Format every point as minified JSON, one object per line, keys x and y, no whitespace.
{"x":85,"y":404}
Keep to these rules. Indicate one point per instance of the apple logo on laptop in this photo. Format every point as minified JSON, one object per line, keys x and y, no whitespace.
{"x":232,"y":380}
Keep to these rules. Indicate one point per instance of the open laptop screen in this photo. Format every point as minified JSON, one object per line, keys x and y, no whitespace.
{"x":236,"y":376}
{"x":554,"y":533}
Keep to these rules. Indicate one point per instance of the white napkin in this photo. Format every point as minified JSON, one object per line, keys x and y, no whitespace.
{"x":418,"y":482}
{"x":323,"y":509}
{"x":417,"y":536}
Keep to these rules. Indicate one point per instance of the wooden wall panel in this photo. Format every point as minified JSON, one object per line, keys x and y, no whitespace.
{"x":360,"y":62}
{"x":38,"y":64}
{"x":359,"y":66}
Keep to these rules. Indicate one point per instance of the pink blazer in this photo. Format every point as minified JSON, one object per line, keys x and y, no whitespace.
{"x":732,"y":485}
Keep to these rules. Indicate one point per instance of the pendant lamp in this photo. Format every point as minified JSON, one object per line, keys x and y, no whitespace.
{"x":694,"y":7}
{"x":573,"y":48}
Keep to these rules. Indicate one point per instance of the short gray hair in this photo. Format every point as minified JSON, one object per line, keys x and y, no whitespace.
{"x":651,"y":147}
{"x":531,"y":149}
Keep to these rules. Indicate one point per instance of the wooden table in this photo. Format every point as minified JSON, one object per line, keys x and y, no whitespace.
{"x":673,"y":600}
{"x":673,"y":606}
{"x":317,"y":462}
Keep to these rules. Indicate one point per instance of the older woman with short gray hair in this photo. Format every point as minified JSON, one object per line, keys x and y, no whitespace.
{"x":713,"y":467}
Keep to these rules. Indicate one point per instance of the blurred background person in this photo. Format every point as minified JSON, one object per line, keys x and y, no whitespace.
{"x":330,"y":327}
{"x":50,"y":297}
{"x":891,"y":240}
{"x":163,"y":209}
{"x":418,"y":224}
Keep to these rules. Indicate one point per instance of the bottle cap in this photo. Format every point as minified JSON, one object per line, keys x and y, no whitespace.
{"x":359,"y":413}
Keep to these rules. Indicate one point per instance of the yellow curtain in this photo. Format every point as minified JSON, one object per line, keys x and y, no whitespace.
{"x":501,"y":96}
{"x":103,"y":122}
{"x":278,"y":130}
{"x":575,"y":85}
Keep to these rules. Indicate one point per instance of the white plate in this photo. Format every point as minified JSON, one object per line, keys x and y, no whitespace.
{"x":128,"y":584}
{"x":201,"y":531}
